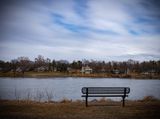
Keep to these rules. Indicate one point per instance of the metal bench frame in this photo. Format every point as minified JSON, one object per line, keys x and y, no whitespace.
{"x":105,"y":92}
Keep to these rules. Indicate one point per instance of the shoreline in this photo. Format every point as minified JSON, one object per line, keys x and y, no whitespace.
{"x":76,"y":75}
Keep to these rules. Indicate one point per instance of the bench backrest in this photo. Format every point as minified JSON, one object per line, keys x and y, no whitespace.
{"x":105,"y":90}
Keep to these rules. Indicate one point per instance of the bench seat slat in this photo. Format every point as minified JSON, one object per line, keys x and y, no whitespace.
{"x":105,"y":90}
{"x":104,"y":95}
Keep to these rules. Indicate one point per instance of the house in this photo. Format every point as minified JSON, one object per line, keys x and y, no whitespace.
{"x":70,"y":70}
{"x":18,"y":69}
{"x":86,"y":70}
{"x":103,"y":70}
{"x":54,"y":69}
{"x":150,"y":72}
{"x":41,"y":69}
{"x":116,"y":71}
{"x":127,"y":71}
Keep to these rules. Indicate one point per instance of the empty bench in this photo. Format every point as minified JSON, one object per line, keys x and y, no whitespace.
{"x":105,"y":92}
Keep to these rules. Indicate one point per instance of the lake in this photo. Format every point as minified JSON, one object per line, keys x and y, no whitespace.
{"x":70,"y":88}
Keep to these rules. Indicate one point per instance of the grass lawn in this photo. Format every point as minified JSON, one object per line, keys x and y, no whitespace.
{"x":143,"y":109}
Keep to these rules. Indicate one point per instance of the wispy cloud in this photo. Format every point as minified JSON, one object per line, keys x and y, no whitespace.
{"x":78,"y":29}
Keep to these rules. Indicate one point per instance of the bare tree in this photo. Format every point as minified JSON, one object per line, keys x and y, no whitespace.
{"x":14,"y":65}
{"x":48,"y":64}
{"x":24,"y":64}
{"x":39,"y":61}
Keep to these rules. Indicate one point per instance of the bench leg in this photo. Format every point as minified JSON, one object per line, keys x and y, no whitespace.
{"x":123,"y":99}
{"x":86,"y":101}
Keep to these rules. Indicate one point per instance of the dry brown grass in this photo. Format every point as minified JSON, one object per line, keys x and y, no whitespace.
{"x":103,"y":109}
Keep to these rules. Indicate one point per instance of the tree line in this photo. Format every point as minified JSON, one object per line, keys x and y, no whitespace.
{"x":40,"y":63}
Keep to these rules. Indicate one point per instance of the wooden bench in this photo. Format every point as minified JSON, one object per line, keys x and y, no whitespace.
{"x":105,"y":92}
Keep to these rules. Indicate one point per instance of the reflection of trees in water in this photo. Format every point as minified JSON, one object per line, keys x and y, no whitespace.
{"x":38,"y":95}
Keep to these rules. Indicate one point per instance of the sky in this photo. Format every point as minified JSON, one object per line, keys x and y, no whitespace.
{"x":80,"y":29}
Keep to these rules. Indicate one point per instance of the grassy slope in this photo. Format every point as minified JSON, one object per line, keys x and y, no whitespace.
{"x":145,"y":109}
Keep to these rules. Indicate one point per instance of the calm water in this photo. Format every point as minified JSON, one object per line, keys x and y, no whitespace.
{"x":70,"y":88}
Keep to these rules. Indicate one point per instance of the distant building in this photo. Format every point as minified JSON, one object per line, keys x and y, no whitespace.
{"x":54,"y":69}
{"x":41,"y":69}
{"x":70,"y":70}
{"x":86,"y":70}
{"x":116,"y":71}
{"x":127,"y":71}
{"x":18,"y":69}
{"x":145,"y":73}
{"x":103,"y":70}
{"x":151,"y":72}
